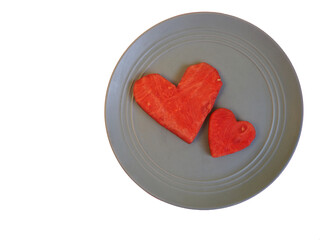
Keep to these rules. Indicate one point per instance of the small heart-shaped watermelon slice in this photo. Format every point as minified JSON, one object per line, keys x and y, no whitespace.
{"x":227,"y":135}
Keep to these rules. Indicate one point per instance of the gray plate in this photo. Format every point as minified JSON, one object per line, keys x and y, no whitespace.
{"x":260,"y":86}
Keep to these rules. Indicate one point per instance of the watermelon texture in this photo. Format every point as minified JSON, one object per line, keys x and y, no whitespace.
{"x":181,"y":109}
{"x":227,"y":135}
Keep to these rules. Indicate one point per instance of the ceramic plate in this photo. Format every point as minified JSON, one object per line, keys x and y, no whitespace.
{"x":260,"y":86}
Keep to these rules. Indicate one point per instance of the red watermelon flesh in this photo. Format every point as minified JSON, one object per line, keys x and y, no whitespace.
{"x":181,"y":109}
{"x":227,"y":135}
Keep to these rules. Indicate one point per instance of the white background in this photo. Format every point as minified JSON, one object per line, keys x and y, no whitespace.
{"x":59,"y":178}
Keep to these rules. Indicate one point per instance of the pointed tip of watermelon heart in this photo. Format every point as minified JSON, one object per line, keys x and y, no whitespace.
{"x":187,"y":138}
{"x":215,"y":155}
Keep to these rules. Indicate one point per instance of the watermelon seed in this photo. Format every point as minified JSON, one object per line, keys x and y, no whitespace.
{"x":243,"y":128}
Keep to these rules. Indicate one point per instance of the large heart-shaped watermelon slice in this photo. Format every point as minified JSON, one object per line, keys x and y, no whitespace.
{"x":181,"y":109}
